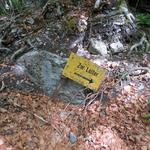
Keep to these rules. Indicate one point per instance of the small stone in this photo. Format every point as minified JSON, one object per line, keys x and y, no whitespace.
{"x":61,"y":54}
{"x":99,"y":46}
{"x":72,"y":137}
{"x":141,"y":87}
{"x":82,"y":24}
{"x":97,"y":4}
{"x":30,"y":21}
{"x":127,"y":88}
{"x":117,"y":47}
{"x":63,"y":115}
{"x":14,"y":30}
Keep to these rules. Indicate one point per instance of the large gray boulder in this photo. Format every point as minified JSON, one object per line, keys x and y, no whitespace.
{"x":45,"y":70}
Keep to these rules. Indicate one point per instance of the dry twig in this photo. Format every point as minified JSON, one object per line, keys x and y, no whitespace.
{"x":2,"y":87}
{"x":91,"y":97}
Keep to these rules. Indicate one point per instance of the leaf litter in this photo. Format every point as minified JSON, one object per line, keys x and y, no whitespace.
{"x":115,"y":125}
{"x":30,"y":120}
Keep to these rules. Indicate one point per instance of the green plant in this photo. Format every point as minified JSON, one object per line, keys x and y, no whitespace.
{"x":149,"y":105}
{"x":71,"y":23}
{"x":147,"y":116}
{"x":18,"y":4}
{"x":13,"y":6}
{"x":2,"y":8}
{"x":143,"y":19}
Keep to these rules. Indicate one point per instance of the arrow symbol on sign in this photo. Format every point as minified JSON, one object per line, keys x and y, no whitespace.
{"x":89,"y":80}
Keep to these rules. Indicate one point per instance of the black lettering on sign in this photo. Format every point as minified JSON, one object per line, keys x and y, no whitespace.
{"x":80,"y":66}
{"x":91,"y":71}
{"x":89,"y":80}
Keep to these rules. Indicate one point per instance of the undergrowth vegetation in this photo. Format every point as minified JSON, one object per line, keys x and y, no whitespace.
{"x":143,"y":19}
{"x":147,"y":116}
{"x":12,"y":7}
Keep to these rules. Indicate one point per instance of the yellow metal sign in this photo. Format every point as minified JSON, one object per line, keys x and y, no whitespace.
{"x":84,"y":72}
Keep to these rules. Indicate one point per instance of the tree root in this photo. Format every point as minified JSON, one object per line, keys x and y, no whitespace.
{"x":19,"y":52}
{"x":142,"y":41}
{"x":45,"y":10}
{"x":145,"y":69}
{"x":5,"y":50}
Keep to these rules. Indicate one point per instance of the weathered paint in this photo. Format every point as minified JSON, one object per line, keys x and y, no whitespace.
{"x":84,"y":72}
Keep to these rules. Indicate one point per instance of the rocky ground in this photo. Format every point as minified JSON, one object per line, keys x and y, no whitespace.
{"x":112,"y":118}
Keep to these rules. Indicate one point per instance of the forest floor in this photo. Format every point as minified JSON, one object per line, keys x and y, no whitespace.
{"x":31,"y":120}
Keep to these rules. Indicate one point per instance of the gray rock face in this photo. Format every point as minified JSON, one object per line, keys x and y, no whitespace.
{"x":71,"y":91}
{"x":117,"y":47}
{"x":98,"y":46}
{"x":45,"y":70}
{"x":72,"y":137}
